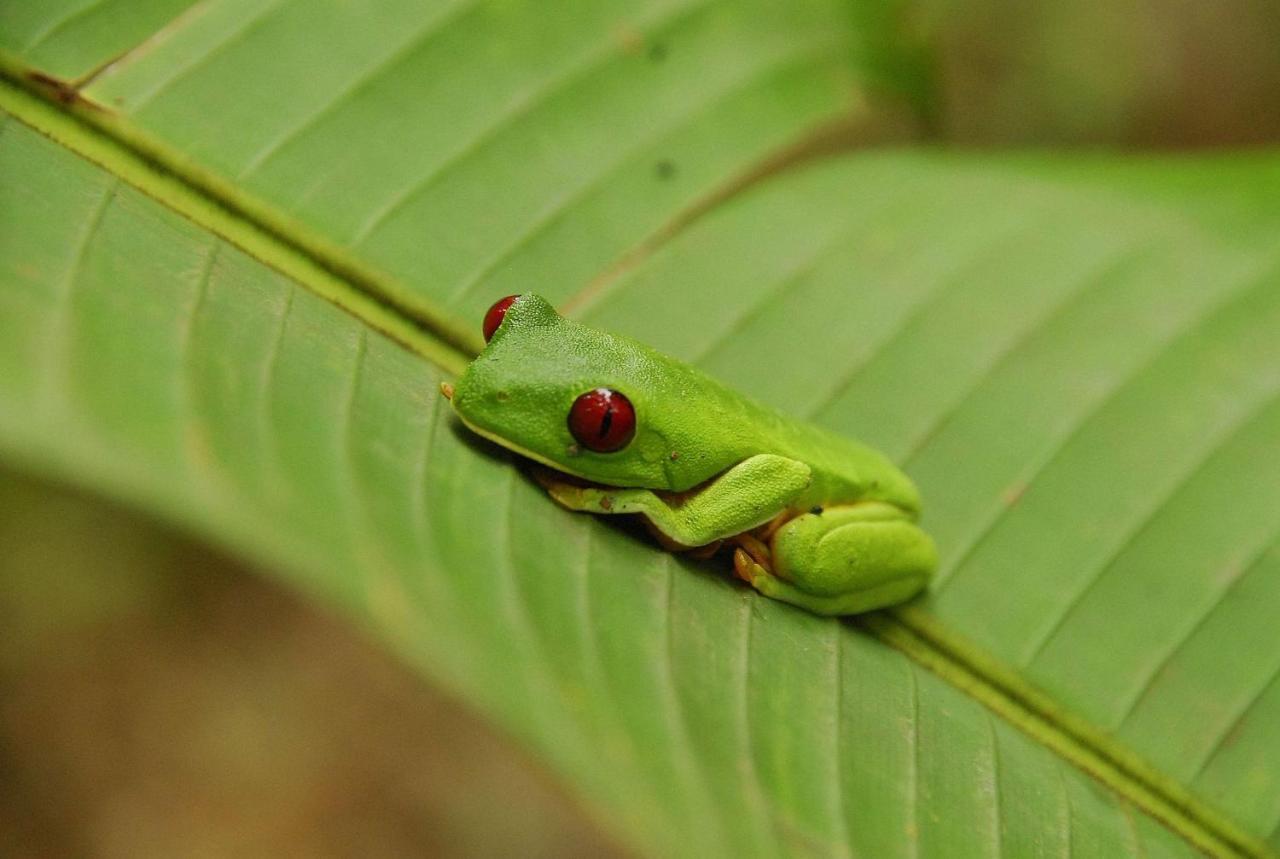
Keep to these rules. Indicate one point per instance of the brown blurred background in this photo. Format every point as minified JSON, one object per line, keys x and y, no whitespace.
{"x":1157,"y":74}
{"x":158,"y":699}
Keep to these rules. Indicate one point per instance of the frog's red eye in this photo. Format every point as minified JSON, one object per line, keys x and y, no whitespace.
{"x":493,"y":316}
{"x":602,"y":420}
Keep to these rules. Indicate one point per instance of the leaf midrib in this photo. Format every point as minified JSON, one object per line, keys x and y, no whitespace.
{"x":379,"y":301}
{"x":213,"y":204}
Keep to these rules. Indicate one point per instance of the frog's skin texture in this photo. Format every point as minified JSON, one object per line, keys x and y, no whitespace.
{"x":818,"y":520}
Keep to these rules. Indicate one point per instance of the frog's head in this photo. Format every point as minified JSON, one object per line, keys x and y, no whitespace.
{"x":580,"y":400}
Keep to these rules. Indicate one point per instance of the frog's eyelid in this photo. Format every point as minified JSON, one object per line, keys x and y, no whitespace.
{"x":495,"y":314}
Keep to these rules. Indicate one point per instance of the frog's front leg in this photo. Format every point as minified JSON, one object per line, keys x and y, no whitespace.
{"x":845,"y":559}
{"x":744,"y":497}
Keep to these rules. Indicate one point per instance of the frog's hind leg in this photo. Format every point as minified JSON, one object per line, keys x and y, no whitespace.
{"x":845,"y":559}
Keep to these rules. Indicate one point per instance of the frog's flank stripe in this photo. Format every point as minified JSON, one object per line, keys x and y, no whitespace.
{"x":916,"y":634}
{"x":215,"y":205}
{"x":57,"y":111}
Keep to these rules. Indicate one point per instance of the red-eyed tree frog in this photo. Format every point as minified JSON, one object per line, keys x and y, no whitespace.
{"x":815,"y":519}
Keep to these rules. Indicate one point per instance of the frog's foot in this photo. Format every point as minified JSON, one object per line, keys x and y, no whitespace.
{"x":843,"y":560}
{"x":833,"y":605}
{"x":748,"y":567}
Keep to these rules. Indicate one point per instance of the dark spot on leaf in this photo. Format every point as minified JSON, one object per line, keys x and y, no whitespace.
{"x":1013,"y":494}
{"x":816,"y":510}
{"x":665,"y":169}
{"x":63,"y":91}
{"x":66,"y":92}
{"x":657,"y":52}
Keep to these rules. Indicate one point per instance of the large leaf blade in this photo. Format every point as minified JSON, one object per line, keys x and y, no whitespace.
{"x":499,"y":178}
{"x":72,"y":39}
{"x":363,"y":478}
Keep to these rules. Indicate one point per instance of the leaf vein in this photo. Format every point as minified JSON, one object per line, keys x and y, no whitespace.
{"x":779,"y":289}
{"x":1220,"y":441}
{"x":993,"y":750}
{"x":1112,"y":394}
{"x":1233,"y":723}
{"x":837,"y":754}
{"x":1096,"y":278}
{"x":755,"y":785}
{"x":429,"y":29}
{"x":556,"y":208}
{"x":587,"y":62}
{"x":992,"y":246}
{"x":60,"y":23}
{"x":1143,"y":689}
{"x":261,"y":14}
{"x":63,"y":323}
{"x":185,"y":379}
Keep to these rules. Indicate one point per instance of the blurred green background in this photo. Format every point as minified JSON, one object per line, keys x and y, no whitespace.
{"x":157,"y":698}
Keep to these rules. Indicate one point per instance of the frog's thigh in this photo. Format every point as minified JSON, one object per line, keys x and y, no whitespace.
{"x":849,"y":559}
{"x":747,"y":495}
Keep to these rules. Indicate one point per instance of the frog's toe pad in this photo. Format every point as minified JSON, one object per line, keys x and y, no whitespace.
{"x":745,"y":567}
{"x":750,"y":571}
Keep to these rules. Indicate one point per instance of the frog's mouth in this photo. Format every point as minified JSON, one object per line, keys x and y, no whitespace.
{"x":447,"y":390}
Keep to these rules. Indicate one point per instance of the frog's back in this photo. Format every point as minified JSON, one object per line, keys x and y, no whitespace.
{"x":844,"y":470}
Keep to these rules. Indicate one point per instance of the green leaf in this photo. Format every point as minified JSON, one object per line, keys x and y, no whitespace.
{"x":70,"y":39}
{"x":230,"y":303}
